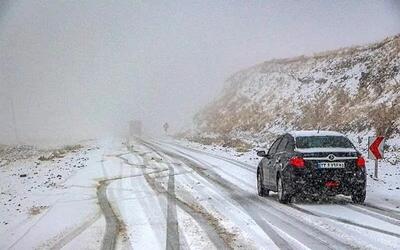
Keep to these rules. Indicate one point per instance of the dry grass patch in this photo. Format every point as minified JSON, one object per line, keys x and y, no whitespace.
{"x":60,"y":153}
{"x":35,"y":210}
{"x":237,"y":144}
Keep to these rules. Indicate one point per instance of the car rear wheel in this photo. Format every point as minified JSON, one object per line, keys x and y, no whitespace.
{"x":358,"y":197}
{"x":262,"y":191}
{"x":283,"y":196}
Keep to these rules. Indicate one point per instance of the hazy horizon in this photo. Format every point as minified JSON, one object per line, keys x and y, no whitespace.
{"x":78,"y":70}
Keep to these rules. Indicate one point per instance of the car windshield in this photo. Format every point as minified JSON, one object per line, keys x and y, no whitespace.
{"x":323,"y":142}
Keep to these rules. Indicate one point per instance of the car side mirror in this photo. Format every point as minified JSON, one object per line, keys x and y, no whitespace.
{"x":261,"y":153}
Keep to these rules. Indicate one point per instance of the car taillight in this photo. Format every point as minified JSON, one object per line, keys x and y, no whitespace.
{"x":360,"y":162}
{"x":332,"y":184}
{"x":297,"y":162}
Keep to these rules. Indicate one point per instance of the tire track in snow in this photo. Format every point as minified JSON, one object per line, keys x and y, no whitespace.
{"x":394,"y":214}
{"x":250,"y":201}
{"x":112,"y":222}
{"x":172,"y":218}
{"x":143,"y":167}
{"x":388,"y":212}
{"x":203,"y":218}
{"x":275,"y":237}
{"x":12,"y":246}
{"x":210,"y":225}
{"x":75,"y":233}
{"x":380,"y":216}
{"x":344,"y":221}
{"x":147,"y":205}
{"x":172,"y":239}
{"x":240,"y":164}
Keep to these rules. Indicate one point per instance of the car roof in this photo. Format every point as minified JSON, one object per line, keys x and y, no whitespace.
{"x":314,"y":133}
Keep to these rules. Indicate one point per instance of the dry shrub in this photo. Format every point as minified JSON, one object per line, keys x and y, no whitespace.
{"x":69,"y":148}
{"x":385,"y":118}
{"x":35,"y":210}
{"x":338,"y":110}
{"x":224,"y":141}
{"x":60,"y":153}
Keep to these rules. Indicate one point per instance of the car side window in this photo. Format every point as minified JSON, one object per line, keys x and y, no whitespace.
{"x":282,"y":145}
{"x":272,"y":149}
{"x":290,"y":145}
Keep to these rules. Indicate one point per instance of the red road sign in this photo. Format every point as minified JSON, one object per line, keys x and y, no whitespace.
{"x":375,"y":147}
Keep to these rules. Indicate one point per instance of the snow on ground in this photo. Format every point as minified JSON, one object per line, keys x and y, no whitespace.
{"x":37,"y":194}
{"x":168,"y":194}
{"x":24,"y":179}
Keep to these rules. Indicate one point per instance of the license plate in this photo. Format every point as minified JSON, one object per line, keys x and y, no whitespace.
{"x":331,"y":165}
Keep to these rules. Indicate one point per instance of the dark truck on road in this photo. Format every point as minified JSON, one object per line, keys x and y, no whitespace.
{"x":312,"y":162}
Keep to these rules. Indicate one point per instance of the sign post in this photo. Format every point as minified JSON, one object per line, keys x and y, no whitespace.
{"x":375,"y":150}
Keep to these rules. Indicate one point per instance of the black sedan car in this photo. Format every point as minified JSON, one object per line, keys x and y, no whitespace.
{"x":312,"y":162}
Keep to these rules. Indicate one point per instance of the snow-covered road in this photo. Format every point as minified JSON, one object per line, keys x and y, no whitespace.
{"x":159,"y":194}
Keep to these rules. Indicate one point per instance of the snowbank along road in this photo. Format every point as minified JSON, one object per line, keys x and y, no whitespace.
{"x":159,"y":194}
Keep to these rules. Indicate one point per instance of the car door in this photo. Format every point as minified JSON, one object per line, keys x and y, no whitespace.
{"x":268,"y":161}
{"x":278,"y":159}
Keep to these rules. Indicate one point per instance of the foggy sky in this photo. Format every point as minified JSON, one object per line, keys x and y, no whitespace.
{"x":82,"y":69}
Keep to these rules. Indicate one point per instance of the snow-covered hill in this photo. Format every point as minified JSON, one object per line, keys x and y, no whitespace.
{"x":353,"y":90}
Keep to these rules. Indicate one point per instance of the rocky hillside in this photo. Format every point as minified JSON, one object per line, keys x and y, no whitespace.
{"x":353,"y":90}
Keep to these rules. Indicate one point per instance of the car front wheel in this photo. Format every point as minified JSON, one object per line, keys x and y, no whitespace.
{"x":262,"y":191}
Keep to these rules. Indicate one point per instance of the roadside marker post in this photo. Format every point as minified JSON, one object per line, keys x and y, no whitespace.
{"x":375,"y":150}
